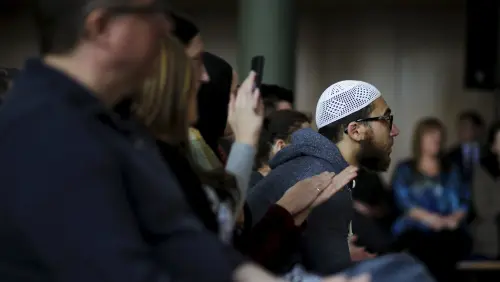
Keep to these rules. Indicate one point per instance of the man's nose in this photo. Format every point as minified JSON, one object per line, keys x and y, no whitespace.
{"x":394,"y":131}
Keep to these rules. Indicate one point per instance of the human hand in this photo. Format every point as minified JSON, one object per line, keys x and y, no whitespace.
{"x":246,"y":112}
{"x":342,"y":278}
{"x":338,"y":182}
{"x":450,"y":222}
{"x":301,"y":195}
{"x":315,"y":197}
{"x":358,"y":253}
{"x":435,"y":222}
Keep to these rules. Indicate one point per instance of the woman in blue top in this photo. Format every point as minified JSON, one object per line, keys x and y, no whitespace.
{"x":428,"y":193}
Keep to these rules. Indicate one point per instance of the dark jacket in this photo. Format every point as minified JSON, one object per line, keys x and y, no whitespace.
{"x":85,"y":195}
{"x":456,"y":156}
{"x":324,"y":248}
{"x":272,"y":240}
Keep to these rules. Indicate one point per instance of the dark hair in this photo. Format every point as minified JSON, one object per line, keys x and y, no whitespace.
{"x":60,"y":24}
{"x":423,"y":127}
{"x":279,"y":125}
{"x":278,"y":92}
{"x":184,"y":29}
{"x":213,"y":98}
{"x":471,"y":116}
{"x":335,"y":130}
{"x":272,"y":94}
{"x":269,"y":105}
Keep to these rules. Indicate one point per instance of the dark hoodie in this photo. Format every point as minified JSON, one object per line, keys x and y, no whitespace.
{"x":324,"y":248}
{"x":213,"y":100}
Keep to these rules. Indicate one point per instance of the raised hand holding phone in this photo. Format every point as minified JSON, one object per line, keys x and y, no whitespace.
{"x":246,"y":112}
{"x":258,"y":68}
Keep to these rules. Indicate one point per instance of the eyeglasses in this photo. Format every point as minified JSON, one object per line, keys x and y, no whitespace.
{"x":389,"y":119}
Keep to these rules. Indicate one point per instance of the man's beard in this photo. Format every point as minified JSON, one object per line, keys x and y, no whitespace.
{"x":373,"y":158}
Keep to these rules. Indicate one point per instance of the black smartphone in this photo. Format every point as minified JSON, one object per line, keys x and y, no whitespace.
{"x":258,"y":68}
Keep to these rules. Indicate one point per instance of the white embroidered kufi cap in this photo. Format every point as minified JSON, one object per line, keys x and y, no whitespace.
{"x":342,"y":99}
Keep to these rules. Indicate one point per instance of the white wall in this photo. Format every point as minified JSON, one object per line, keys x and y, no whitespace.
{"x":414,"y":56}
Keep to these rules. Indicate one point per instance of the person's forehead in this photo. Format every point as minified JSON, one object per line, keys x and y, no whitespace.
{"x":195,"y":47}
{"x":379,"y":107}
{"x":433,"y":131}
{"x":283,"y":105}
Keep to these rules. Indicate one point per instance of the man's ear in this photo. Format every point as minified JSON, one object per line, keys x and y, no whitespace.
{"x":95,"y":25}
{"x":355,"y":131}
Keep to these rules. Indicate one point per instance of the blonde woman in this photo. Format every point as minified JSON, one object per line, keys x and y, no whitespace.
{"x":168,"y":107}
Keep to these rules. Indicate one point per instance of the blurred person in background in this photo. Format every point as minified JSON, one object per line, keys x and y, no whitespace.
{"x":355,"y":128}
{"x":275,"y":135}
{"x":218,"y":80}
{"x":486,"y":199}
{"x":276,"y":98}
{"x":467,"y":153}
{"x":189,"y":35}
{"x":213,"y":100}
{"x":84,"y":194}
{"x":427,"y":190}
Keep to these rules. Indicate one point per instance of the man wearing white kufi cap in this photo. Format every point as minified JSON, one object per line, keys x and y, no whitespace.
{"x":355,"y":128}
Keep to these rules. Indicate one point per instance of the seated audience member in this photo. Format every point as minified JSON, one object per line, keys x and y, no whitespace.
{"x":275,"y":135}
{"x":189,"y":35}
{"x":168,"y":107}
{"x":355,"y":128}
{"x":371,"y":211}
{"x":427,"y":191}
{"x":213,"y":100}
{"x":276,"y":98}
{"x":486,"y":199}
{"x":218,"y":80}
{"x":466,"y":154}
{"x":85,"y":195}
